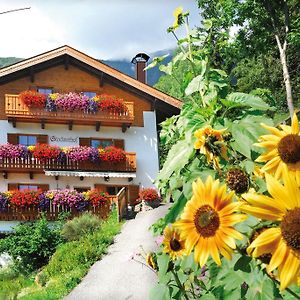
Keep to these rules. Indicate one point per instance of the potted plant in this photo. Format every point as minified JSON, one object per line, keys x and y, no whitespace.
{"x":150,"y":197}
{"x":33,"y":99}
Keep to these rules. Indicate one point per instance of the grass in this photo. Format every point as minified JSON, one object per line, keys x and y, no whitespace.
{"x":67,"y":266}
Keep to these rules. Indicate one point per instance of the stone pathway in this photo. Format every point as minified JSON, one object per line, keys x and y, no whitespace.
{"x":117,"y":276}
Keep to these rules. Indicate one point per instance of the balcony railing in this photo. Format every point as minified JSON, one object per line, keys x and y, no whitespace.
{"x":16,"y":111}
{"x":35,"y":165}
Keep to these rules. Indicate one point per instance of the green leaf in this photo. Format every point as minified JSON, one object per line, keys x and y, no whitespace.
{"x":252,"y":101}
{"x":243,"y":264}
{"x":156,"y":61}
{"x":178,"y":157}
{"x":207,"y":24}
{"x":159,"y":292}
{"x":208,"y":296}
{"x":163,"y":263}
{"x":175,"y":210}
{"x":167,"y":69}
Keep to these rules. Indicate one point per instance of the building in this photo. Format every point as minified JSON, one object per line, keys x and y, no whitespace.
{"x":65,"y":70}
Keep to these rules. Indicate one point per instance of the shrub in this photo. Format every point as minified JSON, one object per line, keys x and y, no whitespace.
{"x":31,"y":245}
{"x":80,"y":226}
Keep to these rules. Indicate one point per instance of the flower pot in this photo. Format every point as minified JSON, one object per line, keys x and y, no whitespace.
{"x":153,"y":204}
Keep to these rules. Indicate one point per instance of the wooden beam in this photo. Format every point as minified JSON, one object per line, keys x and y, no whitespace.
{"x":30,"y":175}
{"x":66,"y":62}
{"x":70,"y":125}
{"x":14,"y":122}
{"x":5,"y":175}
{"x":124,"y":127}
{"x":101,"y":79}
{"x":42,"y":123}
{"x":31,"y":71}
{"x":98,"y":124}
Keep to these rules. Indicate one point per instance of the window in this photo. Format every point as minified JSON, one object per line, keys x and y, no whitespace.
{"x":101,"y":143}
{"x":22,"y":187}
{"x":45,"y":91}
{"x":89,"y":94}
{"x":82,"y":189}
{"x":113,"y":190}
{"x":27,"y":140}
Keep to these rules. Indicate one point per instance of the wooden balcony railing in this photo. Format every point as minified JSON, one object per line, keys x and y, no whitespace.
{"x":34,"y":165}
{"x":16,"y":111}
{"x":52,"y":213}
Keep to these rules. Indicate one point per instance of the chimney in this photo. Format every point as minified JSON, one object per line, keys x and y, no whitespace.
{"x":140,"y":61}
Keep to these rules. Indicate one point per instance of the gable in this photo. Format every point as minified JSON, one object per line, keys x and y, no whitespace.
{"x":74,"y":79}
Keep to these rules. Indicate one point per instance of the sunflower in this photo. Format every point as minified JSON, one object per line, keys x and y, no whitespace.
{"x":282,"y":148}
{"x":211,"y":143}
{"x":178,"y":15}
{"x":151,"y":260}
{"x":173,"y":243}
{"x":207,"y":221}
{"x":283,"y":242}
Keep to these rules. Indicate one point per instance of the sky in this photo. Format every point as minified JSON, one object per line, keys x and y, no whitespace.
{"x":113,"y":29}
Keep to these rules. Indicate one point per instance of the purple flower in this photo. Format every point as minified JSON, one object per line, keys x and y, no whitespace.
{"x":44,"y":202}
{"x":3,"y":202}
{"x":72,"y":102}
{"x":50,"y":104}
{"x":13,"y":151}
{"x":92,"y":106}
{"x":79,"y":153}
{"x":71,"y":198}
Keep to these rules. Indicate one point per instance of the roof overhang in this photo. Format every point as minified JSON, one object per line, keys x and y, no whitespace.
{"x":49,"y":58}
{"x":89,"y":174}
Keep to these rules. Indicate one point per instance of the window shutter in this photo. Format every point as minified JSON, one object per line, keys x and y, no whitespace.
{"x":85,"y":142}
{"x":42,"y":139}
{"x":43,"y":187}
{"x":100,"y":187}
{"x":12,"y":186}
{"x":119,"y":144}
{"x":12,"y":138}
{"x":133,"y":193}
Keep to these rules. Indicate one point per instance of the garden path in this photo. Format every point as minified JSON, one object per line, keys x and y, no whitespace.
{"x":117,"y":276}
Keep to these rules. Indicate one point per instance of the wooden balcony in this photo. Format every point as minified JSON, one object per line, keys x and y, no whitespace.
{"x":32,"y":165}
{"x":16,"y":111}
{"x":52,"y":213}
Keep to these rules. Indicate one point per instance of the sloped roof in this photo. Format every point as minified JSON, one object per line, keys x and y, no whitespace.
{"x":67,"y":50}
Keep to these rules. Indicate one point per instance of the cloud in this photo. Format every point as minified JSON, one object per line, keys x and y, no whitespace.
{"x":103,"y":29}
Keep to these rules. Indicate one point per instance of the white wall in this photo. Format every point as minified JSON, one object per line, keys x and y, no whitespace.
{"x":142,"y":140}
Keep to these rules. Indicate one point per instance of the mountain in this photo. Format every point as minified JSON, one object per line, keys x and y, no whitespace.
{"x":123,"y":66}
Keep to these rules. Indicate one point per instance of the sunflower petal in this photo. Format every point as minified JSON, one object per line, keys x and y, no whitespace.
{"x":295,"y":124}
{"x":278,"y":256}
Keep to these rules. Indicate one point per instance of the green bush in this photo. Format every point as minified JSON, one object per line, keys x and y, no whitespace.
{"x":31,"y":245}
{"x":80,"y":226}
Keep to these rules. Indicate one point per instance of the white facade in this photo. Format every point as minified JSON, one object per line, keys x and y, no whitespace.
{"x":141,"y":140}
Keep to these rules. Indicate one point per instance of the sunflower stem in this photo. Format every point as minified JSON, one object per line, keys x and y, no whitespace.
{"x":287,"y":289}
{"x":180,"y":286}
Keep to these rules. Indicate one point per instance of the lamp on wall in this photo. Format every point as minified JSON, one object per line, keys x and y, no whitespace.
{"x":81,"y":178}
{"x":106,"y":178}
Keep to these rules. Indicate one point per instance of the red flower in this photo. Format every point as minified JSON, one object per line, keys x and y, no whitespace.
{"x":33,"y":99}
{"x":112,"y":104}
{"x":45,"y":151}
{"x":148,"y":194}
{"x":97,"y":198}
{"x":112,"y":154}
{"x":25,"y":198}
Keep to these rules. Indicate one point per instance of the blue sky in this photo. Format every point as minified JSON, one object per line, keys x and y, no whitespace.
{"x":112,"y":29}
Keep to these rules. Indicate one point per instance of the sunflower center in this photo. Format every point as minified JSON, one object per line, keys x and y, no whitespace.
{"x":290,"y":228}
{"x":175,"y":245}
{"x":289,"y":148}
{"x":237,"y":180}
{"x":206,"y":221}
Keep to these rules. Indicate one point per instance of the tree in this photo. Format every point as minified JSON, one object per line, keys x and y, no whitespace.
{"x":255,"y":20}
